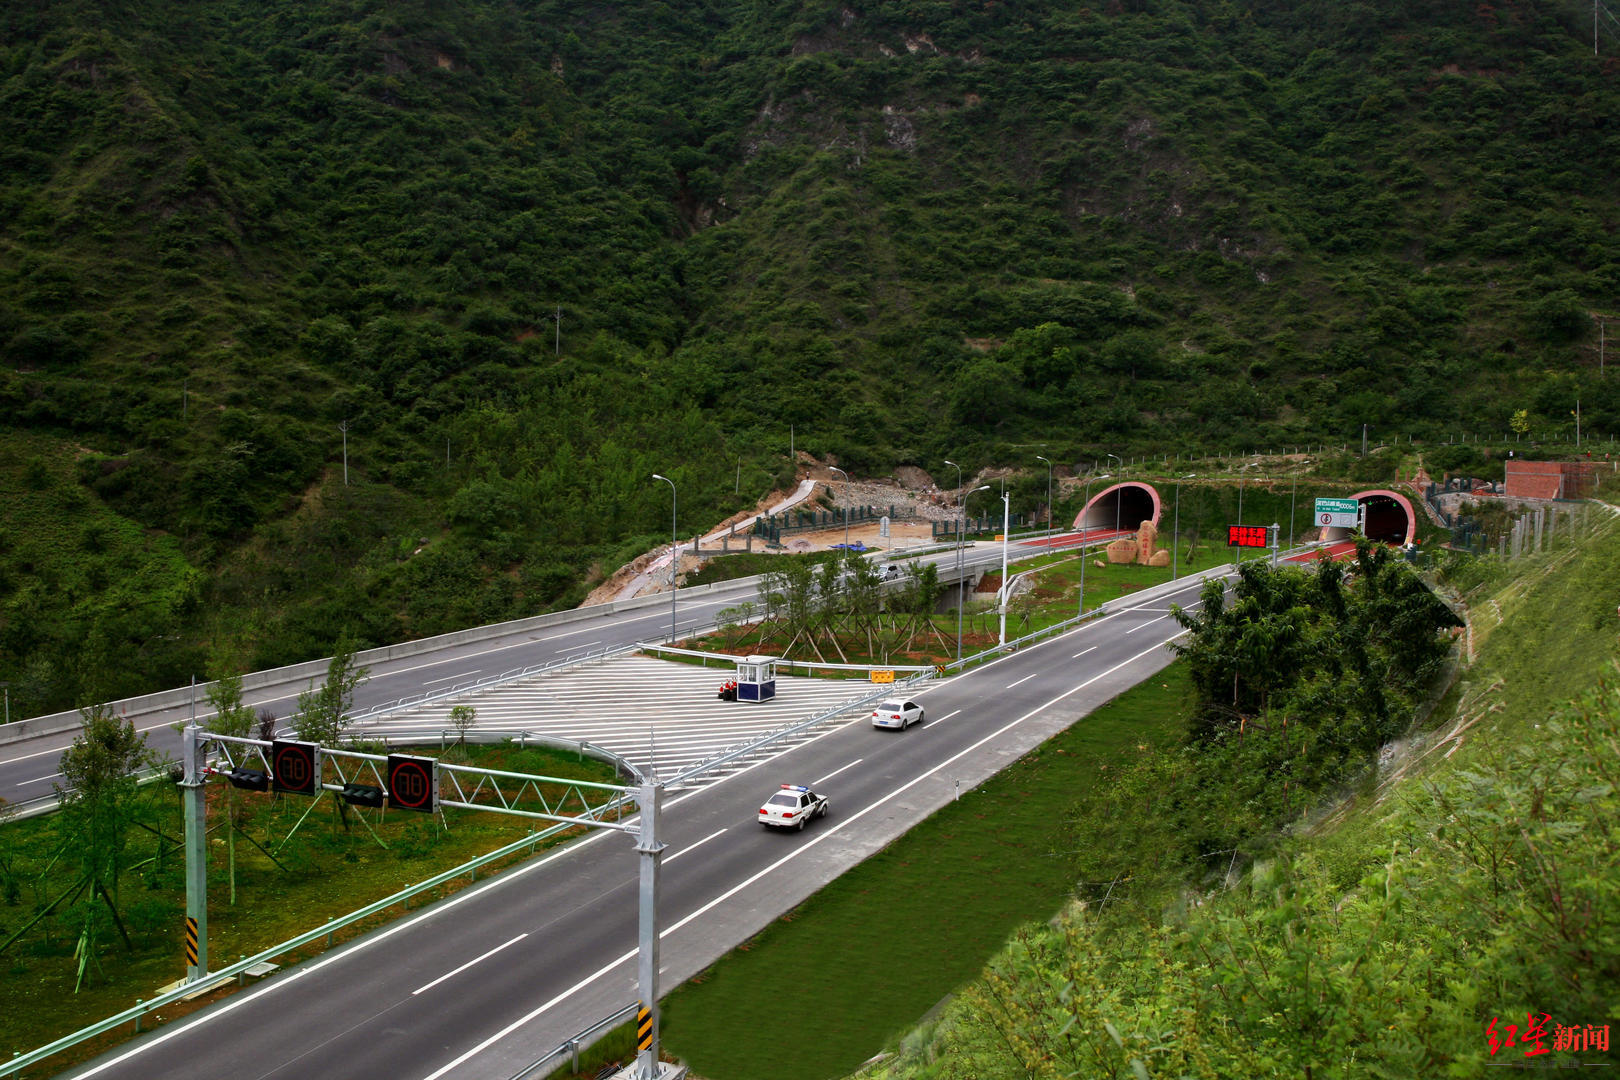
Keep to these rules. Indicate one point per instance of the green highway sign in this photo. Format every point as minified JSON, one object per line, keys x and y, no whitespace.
{"x":1337,"y":513}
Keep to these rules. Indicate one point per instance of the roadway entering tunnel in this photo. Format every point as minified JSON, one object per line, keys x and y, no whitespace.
{"x":1389,"y":518}
{"x":1123,"y":506}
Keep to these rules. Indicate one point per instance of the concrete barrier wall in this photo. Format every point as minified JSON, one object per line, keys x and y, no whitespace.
{"x":301,"y":675}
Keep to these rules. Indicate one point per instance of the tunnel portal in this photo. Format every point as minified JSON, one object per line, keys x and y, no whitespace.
{"x":1123,"y":507}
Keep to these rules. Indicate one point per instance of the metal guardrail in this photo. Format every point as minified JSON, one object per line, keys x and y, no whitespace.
{"x":216,"y":978}
{"x":1107,"y":607}
{"x":808,"y":665}
{"x":570,"y":1047}
{"x":416,"y":701}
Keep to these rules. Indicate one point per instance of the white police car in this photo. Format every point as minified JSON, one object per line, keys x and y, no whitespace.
{"x":792,"y":807}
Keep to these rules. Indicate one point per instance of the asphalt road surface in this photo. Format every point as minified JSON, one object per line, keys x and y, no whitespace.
{"x":481,"y":984}
{"x":29,"y":767}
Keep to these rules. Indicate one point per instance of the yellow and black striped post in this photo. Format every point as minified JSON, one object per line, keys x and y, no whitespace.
{"x":644,"y":1028}
{"x":196,"y":807}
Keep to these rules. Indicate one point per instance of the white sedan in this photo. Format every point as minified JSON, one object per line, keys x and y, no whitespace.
{"x":897,"y":714}
{"x":792,"y":807}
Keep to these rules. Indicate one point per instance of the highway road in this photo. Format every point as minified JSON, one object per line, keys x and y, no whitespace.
{"x":482,"y":983}
{"x":29,"y":767}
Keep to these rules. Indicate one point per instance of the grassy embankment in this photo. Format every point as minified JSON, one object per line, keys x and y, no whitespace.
{"x":859,"y":945}
{"x":329,"y":870}
{"x":1391,"y":933}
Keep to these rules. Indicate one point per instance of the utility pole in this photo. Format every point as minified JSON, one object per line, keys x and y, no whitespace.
{"x":845,"y":475}
{"x":651,"y":850}
{"x":1292,"y":489}
{"x":557,"y":344}
{"x":1363,"y":440}
{"x":674,"y":553}
{"x":344,"y":427}
{"x":1175,"y":539}
{"x":1048,"y":492}
{"x":193,"y":795}
{"x":1006,"y":530}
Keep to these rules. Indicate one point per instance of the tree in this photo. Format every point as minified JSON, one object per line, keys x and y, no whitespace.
{"x":323,"y":714}
{"x":1520,"y":423}
{"x":100,"y":794}
{"x":462,"y":718}
{"x":231,"y":717}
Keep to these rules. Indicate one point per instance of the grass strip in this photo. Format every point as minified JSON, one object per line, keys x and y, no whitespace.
{"x":332,"y":872}
{"x":874,"y":950}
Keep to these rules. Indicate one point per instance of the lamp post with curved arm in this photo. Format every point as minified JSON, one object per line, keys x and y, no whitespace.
{"x":1006,"y":532}
{"x":1121,"y":461}
{"x":961,"y":600}
{"x":845,"y":475}
{"x":1048,"y":492}
{"x":1084,"y":506}
{"x":674,"y":552}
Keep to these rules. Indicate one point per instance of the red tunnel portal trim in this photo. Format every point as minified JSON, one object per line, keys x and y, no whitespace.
{"x":1152,"y":492}
{"x":1376,"y":528}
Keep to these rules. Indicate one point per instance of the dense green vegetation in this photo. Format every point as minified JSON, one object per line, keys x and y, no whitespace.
{"x":906,"y":231}
{"x":1393,"y":937}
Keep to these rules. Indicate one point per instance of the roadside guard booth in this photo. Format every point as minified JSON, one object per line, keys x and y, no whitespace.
{"x":756,"y":678}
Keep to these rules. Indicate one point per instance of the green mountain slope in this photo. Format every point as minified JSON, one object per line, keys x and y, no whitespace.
{"x":1462,"y":899}
{"x":905,"y":230}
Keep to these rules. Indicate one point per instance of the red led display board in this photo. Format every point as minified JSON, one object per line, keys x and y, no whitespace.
{"x":1247,"y":536}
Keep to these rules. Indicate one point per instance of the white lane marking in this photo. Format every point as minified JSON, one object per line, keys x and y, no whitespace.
{"x":835,"y":772}
{"x":574,"y":633}
{"x":37,"y":779}
{"x":1083,"y":652}
{"x":797,"y":852}
{"x":691,"y":847}
{"x":447,"y":678}
{"x":1150,"y":622}
{"x":947,"y":716}
{"x":1022,"y":681}
{"x":236,"y":1001}
{"x":377,"y":937}
{"x":468,"y":964}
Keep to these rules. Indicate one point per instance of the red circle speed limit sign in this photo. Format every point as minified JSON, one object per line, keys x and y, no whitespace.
{"x":294,"y":767}
{"x":413,"y":783}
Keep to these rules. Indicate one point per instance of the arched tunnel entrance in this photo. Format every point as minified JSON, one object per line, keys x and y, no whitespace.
{"x":1389,"y":518}
{"x":1123,"y":506}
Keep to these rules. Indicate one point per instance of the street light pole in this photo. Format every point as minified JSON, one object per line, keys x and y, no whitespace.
{"x":961,"y":594}
{"x":845,"y":475}
{"x":1084,"y":506}
{"x":1121,"y":461}
{"x":961,"y":584}
{"x":1048,"y":492}
{"x":1006,"y":530}
{"x":674,"y":552}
